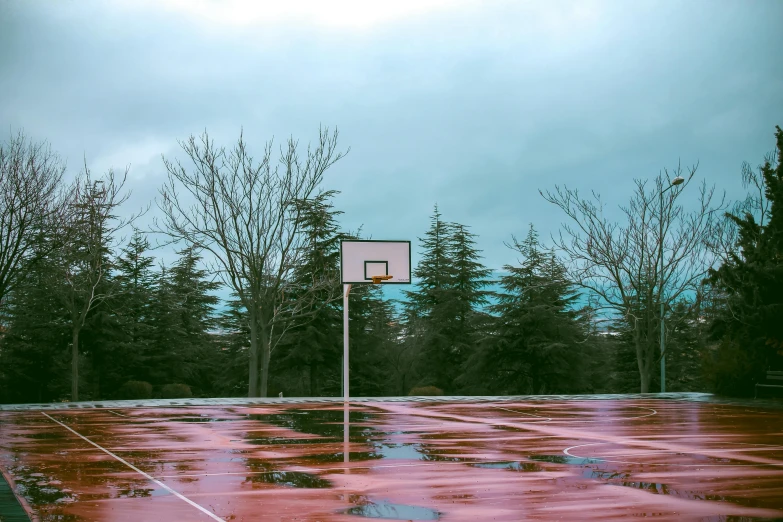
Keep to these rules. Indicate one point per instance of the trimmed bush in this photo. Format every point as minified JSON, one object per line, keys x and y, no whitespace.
{"x":135,"y":390}
{"x":176,"y":391}
{"x":425,"y":390}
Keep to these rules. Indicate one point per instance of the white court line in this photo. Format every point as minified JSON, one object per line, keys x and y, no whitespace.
{"x":114,"y":412}
{"x":548,"y":419}
{"x":137,"y":470}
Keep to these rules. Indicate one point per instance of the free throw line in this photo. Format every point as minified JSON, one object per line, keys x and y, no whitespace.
{"x":137,"y":470}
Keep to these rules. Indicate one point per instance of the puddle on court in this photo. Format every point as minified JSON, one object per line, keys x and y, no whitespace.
{"x":264,"y":473}
{"x":565,"y":459}
{"x":431,"y":454}
{"x":37,"y":488}
{"x":619,"y":478}
{"x":324,"y":423}
{"x":665,"y":489}
{"x":354,"y":456}
{"x":604,"y":475}
{"x":141,"y":492}
{"x":203,"y":420}
{"x":399,"y":451}
{"x":513,"y":466}
{"x":286,"y":441}
{"x":388,"y":510}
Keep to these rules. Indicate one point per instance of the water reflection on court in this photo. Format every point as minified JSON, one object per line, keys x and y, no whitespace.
{"x":566,"y":459}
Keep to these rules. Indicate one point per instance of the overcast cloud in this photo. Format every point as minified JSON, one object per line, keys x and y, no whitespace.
{"x":470,"y":105}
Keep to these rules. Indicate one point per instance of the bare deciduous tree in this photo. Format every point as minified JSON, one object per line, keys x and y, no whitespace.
{"x":30,"y":196}
{"x":85,"y":238}
{"x":620,"y":263}
{"x":246,"y":213}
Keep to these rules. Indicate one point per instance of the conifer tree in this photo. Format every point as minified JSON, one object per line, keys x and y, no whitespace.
{"x":34,"y":342}
{"x":444,"y":305}
{"x":233,"y":346}
{"x":749,"y":326}
{"x":535,"y":343}
{"x":194,"y":300}
{"x":85,"y":257}
{"x":312,"y":341}
{"x":467,"y":296}
{"x":133,"y":303}
{"x":428,"y":306}
{"x":373,"y":334}
{"x":164,"y":361}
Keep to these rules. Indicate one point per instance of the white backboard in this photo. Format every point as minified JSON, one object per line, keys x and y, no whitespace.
{"x":362,"y":259}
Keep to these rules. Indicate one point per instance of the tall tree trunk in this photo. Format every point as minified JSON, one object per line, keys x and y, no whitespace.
{"x":641,"y":359}
{"x":75,"y":365}
{"x":645,"y":382}
{"x":252,"y":385}
{"x":265,"y":356}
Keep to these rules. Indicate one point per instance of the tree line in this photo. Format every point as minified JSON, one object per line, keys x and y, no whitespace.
{"x":87,"y":312}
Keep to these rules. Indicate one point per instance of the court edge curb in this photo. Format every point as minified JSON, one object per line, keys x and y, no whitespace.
{"x":32,"y":515}
{"x":259,"y":401}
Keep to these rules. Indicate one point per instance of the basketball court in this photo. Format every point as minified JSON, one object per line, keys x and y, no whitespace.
{"x":669,"y":457}
{"x":523,"y":458}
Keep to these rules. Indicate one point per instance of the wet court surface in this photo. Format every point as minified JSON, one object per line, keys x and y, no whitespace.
{"x":459,"y":460}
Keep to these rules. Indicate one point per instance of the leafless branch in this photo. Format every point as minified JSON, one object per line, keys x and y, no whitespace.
{"x":246,"y":213}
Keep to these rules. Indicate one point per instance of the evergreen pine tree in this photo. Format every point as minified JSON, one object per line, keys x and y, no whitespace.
{"x":430,"y":307}
{"x":467,"y":296}
{"x":311,"y":349}
{"x":164,"y":362}
{"x":443,"y":310}
{"x":34,"y":342}
{"x":373,"y":334}
{"x":750,"y":327}
{"x":133,"y":304}
{"x":536,"y":342}
{"x":233,"y":348}
{"x":194,"y":301}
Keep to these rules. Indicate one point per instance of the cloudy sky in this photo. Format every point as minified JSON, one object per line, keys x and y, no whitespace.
{"x":471,"y":105}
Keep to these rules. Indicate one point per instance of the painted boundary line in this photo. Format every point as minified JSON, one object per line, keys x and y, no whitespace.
{"x":137,"y":470}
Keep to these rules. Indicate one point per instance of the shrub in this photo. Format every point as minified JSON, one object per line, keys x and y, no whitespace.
{"x":176,"y":391}
{"x":135,"y":390}
{"x":425,"y":390}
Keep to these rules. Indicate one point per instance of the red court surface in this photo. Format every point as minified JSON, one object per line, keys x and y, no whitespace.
{"x":446,"y":460}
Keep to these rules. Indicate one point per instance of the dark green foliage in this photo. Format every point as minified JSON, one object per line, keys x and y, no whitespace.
{"x":373,"y":335}
{"x":307,"y":361}
{"x":443,"y":311}
{"x":536,"y":342}
{"x":154,"y":327}
{"x":686,"y":350}
{"x":233,"y":347}
{"x":623,"y":364}
{"x":175,"y":391}
{"x":34,"y":343}
{"x":749,"y":326}
{"x":163,"y":358}
{"x":133,"y":305}
{"x":135,"y":390}
{"x":192,"y":292}
{"x":426,"y":391}
{"x":183,"y":349}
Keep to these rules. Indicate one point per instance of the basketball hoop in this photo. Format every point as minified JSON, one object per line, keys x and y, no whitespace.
{"x":365,"y":262}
